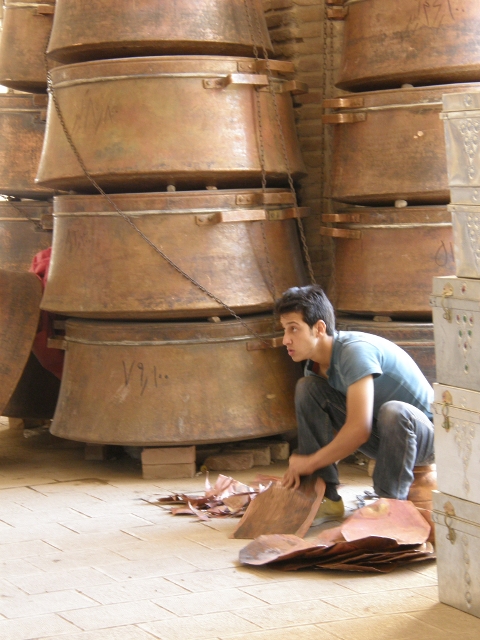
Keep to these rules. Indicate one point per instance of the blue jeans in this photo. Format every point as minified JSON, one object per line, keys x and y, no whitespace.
{"x":401,"y":437}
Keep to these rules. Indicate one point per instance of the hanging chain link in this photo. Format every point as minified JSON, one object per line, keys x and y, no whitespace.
{"x":279,"y":129}
{"x":127,"y":218}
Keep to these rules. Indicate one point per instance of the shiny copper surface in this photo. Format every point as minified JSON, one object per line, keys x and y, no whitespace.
{"x":388,"y":43}
{"x":174,"y":383}
{"x":241,"y":245}
{"x":385,"y":258}
{"x":25,"y":229}
{"x":390,"y":145}
{"x":25,"y":31}
{"x":22,"y":128}
{"x":118,"y":28}
{"x":20,"y":294}
{"x":141,"y":124}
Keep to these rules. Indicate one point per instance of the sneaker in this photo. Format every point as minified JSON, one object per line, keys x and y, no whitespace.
{"x":329,"y":510}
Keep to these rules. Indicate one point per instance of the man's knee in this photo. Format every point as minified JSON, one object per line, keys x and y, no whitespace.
{"x":391,"y":413}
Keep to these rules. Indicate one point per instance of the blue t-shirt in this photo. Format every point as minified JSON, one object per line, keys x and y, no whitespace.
{"x":396,"y":376}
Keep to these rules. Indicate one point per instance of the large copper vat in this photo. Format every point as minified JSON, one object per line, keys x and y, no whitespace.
{"x":140,"y":124}
{"x":415,"y":337}
{"x":118,"y":28}
{"x":391,"y":42}
{"x":174,"y":383}
{"x":20,"y":295}
{"x":240,"y":245}
{"x":389,"y":145}
{"x":22,"y":128}
{"x":25,"y":229}
{"x":25,"y":32}
{"x":385,"y":258}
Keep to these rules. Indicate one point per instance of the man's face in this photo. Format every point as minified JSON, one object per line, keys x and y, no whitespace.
{"x":299,"y":339}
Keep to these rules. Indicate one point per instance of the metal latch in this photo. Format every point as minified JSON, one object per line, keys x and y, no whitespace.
{"x":447,"y":402}
{"x":447,"y":293}
{"x":449,"y":515}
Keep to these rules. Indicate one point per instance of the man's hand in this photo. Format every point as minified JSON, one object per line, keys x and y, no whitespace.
{"x":298,"y":466}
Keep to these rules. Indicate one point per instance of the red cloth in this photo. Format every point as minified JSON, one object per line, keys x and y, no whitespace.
{"x":50,"y":359}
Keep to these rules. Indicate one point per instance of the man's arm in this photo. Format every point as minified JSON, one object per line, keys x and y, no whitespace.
{"x":354,"y":433}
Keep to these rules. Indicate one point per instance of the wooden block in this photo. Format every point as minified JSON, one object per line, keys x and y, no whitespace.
{"x":16,"y":423}
{"x":96,"y":452}
{"x":280,"y":510}
{"x":165,"y":471}
{"x":168,"y":455}
{"x":204,"y":451}
{"x":279,"y":451}
{"x":261,"y":453}
{"x":229,"y":462}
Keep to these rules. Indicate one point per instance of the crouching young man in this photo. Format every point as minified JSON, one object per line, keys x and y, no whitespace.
{"x":360,"y":392}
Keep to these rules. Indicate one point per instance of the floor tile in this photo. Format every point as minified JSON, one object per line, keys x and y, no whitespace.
{"x":30,"y":628}
{"x":448,"y":619}
{"x":312,"y":586}
{"x":114,"y":615}
{"x":303,"y":632}
{"x":26,"y":605}
{"x":155,"y":567}
{"x":194,"y":604}
{"x":218,"y":579}
{"x":44,"y":582}
{"x":380,"y":603}
{"x":62,"y":561}
{"x":200,"y":627}
{"x":391,"y":627}
{"x":102,"y":524}
{"x":289,"y":614}
{"x":368,"y":583}
{"x":19,"y":550}
{"x":146,"y":589}
{"x":119,"y":633}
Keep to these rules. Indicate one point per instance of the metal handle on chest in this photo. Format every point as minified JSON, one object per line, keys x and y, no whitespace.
{"x":251,"y":215}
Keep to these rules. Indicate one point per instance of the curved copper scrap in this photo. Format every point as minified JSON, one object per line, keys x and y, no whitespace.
{"x":386,"y":518}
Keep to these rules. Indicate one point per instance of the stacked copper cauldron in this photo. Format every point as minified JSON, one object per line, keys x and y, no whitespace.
{"x":169,"y":110}
{"x":391,"y":225}
{"x":29,"y":390}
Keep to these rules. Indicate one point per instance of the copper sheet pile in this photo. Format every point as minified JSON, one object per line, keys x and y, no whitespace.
{"x":226,"y":498}
{"x":377,"y":538}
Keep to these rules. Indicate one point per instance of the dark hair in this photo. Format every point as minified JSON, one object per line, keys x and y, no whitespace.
{"x":311,"y":302}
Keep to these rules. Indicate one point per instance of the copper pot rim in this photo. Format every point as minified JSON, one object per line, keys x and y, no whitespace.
{"x":170,"y":201}
{"x":129,"y":68}
{"x":430,"y":95}
{"x":168,"y":333}
{"x":16,"y":4}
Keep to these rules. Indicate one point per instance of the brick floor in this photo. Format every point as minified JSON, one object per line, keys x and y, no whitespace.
{"x":84,"y":556}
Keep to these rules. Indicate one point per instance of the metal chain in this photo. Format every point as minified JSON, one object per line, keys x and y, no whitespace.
{"x":127,"y":218}
{"x":282,"y":137}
